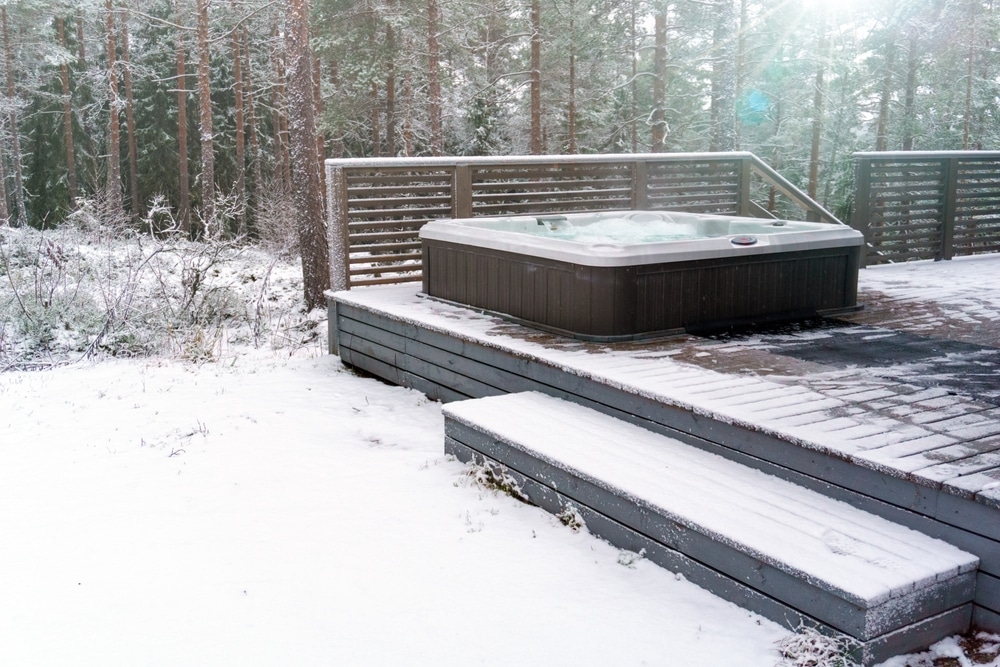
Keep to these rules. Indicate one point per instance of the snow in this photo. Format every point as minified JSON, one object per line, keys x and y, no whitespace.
{"x":269,"y":507}
{"x":266,"y":510}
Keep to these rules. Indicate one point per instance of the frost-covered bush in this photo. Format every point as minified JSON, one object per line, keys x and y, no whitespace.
{"x":810,"y":648}
{"x":94,"y":287}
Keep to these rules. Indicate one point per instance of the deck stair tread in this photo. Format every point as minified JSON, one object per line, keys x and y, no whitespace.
{"x":802,"y":556}
{"x":856,"y":555}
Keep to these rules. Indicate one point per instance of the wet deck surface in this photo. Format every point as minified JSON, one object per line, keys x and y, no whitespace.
{"x":933,"y":364}
{"x":911,"y":382}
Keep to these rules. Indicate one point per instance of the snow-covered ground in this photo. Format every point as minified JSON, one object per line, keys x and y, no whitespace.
{"x":270,"y":507}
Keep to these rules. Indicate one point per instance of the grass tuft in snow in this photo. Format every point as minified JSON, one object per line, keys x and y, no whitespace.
{"x":492,"y":475}
{"x":810,"y":648}
{"x":571,"y":518}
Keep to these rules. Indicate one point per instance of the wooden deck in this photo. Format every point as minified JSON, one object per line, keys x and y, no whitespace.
{"x":895,"y":410}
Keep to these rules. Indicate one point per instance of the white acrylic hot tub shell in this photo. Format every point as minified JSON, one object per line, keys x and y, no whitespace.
{"x":511,"y":234}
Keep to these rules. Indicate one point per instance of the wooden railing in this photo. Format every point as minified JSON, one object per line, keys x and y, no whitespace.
{"x":377,"y":206}
{"x":927,"y":205}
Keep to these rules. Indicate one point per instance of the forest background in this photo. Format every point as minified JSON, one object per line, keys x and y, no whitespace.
{"x":199,"y":115}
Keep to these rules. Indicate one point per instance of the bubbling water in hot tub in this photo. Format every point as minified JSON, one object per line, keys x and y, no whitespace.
{"x":648,"y":227}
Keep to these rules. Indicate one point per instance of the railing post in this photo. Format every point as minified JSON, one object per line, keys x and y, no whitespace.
{"x":950,"y":168}
{"x":640,"y":185}
{"x":743,"y":200}
{"x":861,"y":213}
{"x":461,"y":191}
{"x":336,"y":228}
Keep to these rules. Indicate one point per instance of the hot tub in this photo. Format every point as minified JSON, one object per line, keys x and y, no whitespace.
{"x":631,"y":274}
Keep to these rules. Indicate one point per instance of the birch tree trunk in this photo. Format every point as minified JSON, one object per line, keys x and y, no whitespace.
{"x":306,"y":190}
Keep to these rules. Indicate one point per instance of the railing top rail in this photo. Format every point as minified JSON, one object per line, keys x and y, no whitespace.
{"x":926,"y":155}
{"x":782,"y":183}
{"x":384,"y":162}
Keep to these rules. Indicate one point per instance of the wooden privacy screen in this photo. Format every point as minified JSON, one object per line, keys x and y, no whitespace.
{"x":927,"y":205}
{"x":377,"y":206}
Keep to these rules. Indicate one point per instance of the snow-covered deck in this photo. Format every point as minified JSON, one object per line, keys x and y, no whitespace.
{"x":895,"y":409}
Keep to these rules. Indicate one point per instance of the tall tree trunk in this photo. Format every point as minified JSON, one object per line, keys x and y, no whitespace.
{"x":433,"y":78}
{"x":909,"y":97}
{"x":241,"y":163}
{"x":819,"y":95}
{"x":723,"y":95}
{"x":255,"y":156}
{"x":634,"y":83}
{"x":376,"y":121}
{"x":657,"y":119}
{"x":89,"y":157}
{"x":571,"y":112}
{"x":279,"y":119}
{"x":741,"y":57}
{"x":205,"y":131}
{"x":317,"y":74}
{"x":390,"y":92}
{"x":133,"y":150}
{"x":12,"y":121}
{"x":80,"y":43}
{"x":114,"y":183}
{"x":67,"y":116}
{"x":306,"y":193}
{"x":971,"y":61}
{"x":4,"y":207}
{"x":183,"y":169}
{"x":337,"y":147}
{"x":536,"y":78}
{"x":407,"y":117}
{"x":882,"y":125}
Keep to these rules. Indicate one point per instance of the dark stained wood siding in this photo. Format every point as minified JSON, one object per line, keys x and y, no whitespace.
{"x":609,"y":302}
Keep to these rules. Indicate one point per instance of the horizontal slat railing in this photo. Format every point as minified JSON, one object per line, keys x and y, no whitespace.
{"x":378,"y":205}
{"x":927,"y":205}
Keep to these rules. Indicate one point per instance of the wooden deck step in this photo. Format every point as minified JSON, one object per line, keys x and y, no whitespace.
{"x":783,"y":551}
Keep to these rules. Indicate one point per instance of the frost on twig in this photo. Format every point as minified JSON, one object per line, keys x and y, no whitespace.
{"x":810,"y":648}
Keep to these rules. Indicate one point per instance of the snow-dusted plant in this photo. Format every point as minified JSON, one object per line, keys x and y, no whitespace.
{"x":808,"y":647}
{"x":492,"y":475}
{"x":104,"y":285}
{"x":570,"y":517}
